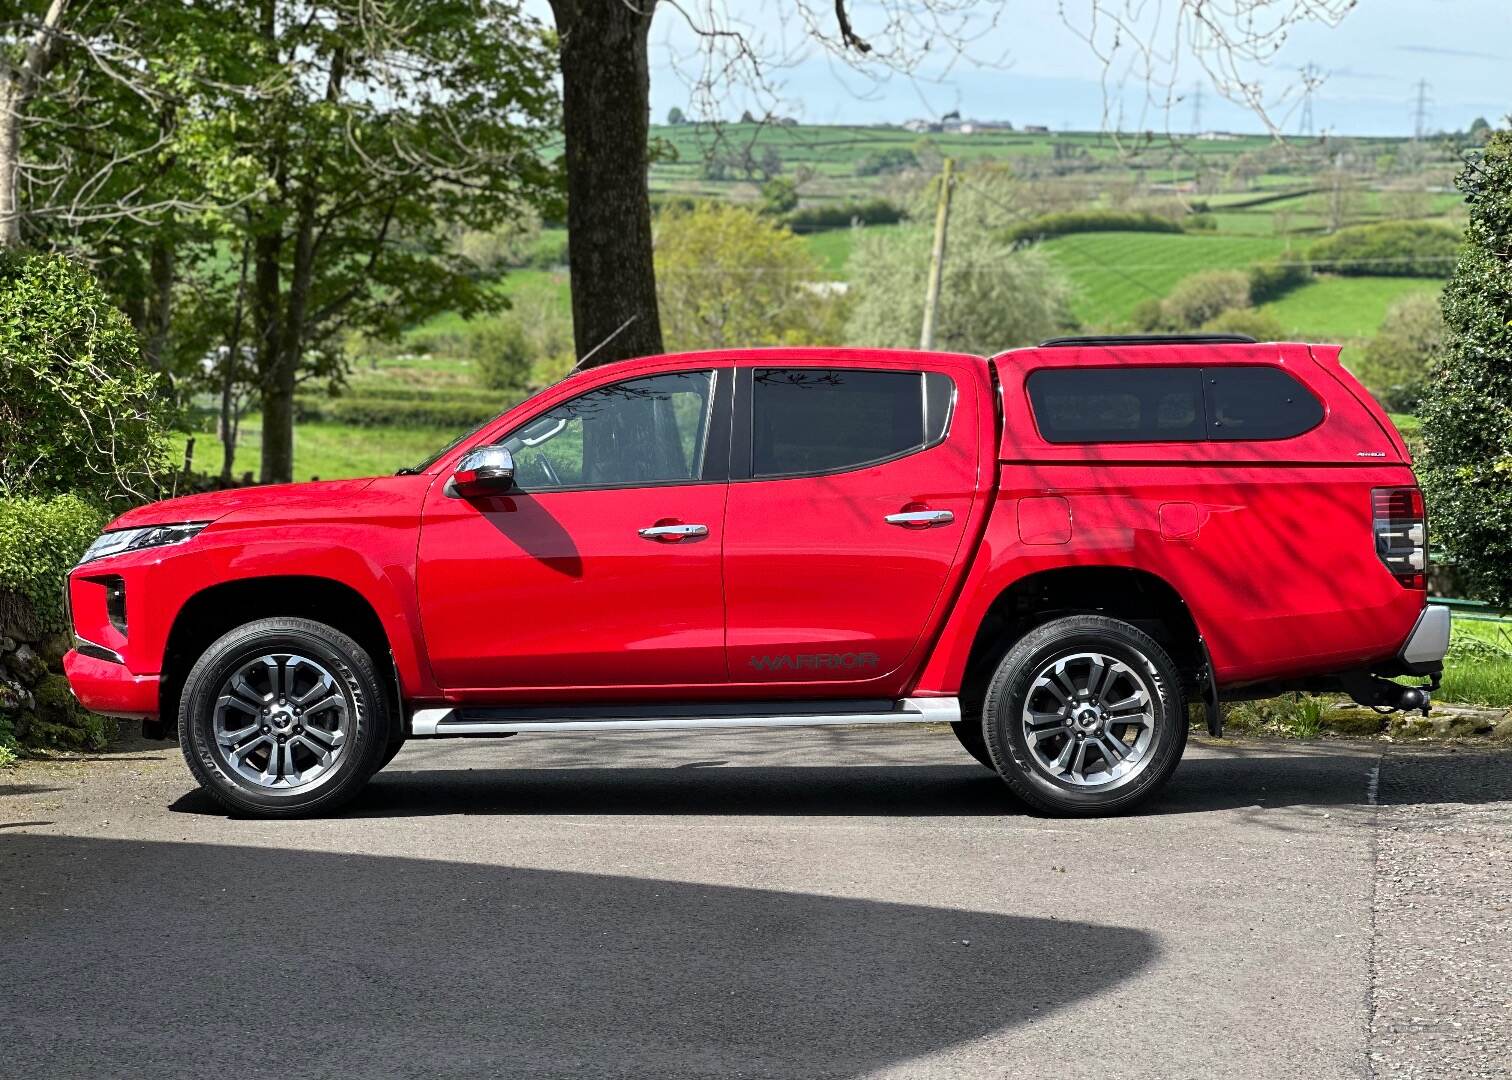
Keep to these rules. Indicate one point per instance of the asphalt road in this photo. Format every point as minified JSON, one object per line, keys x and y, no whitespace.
{"x":785,"y":904}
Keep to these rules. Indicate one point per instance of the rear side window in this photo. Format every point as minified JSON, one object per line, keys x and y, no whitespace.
{"x":1075,"y":405}
{"x":806,"y":421}
{"x":1170,"y":404}
{"x":1257,"y":403}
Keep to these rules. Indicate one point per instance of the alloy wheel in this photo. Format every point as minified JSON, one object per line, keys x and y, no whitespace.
{"x":1089,"y":720}
{"x":282,"y":722}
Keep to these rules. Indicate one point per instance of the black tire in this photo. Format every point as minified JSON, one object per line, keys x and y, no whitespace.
{"x":388,"y":755}
{"x":1067,"y":638}
{"x":969,"y":734}
{"x":356,"y":681}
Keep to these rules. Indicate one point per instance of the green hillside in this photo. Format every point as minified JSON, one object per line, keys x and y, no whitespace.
{"x":1112,"y":272}
{"x":1342,"y":308}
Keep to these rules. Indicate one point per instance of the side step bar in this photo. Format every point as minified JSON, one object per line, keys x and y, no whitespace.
{"x":443,"y":722}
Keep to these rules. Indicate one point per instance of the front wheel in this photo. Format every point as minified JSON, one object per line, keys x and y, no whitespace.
{"x":1085,"y":716}
{"x":284,"y":717}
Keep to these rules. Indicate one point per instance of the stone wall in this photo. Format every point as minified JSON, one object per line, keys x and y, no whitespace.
{"x":35,"y":702}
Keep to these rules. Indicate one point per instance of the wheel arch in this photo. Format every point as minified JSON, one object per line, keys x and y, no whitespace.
{"x":1136,"y":596}
{"x":220,"y":608}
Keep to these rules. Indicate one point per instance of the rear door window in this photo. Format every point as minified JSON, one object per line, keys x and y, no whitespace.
{"x":809,"y":421}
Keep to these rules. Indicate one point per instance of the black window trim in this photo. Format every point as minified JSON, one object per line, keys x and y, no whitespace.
{"x":716,"y":436}
{"x":1203,"y":385}
{"x":743,"y":427}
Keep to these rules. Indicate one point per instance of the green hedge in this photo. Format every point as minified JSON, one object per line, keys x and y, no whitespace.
{"x":1272,"y":280}
{"x":1390,"y":249}
{"x":40,"y":541}
{"x":844,"y":215}
{"x":398,"y":412}
{"x":398,"y":391}
{"x":1085,"y":221}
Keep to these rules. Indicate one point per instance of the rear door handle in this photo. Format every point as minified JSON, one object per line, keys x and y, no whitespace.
{"x":670,"y":534}
{"x":921,"y":517}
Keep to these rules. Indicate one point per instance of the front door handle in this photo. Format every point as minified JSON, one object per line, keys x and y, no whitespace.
{"x":921,"y":517}
{"x":670,"y":534}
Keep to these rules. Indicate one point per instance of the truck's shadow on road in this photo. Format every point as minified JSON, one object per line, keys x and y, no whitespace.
{"x":1247,"y":778}
{"x":177,"y":959}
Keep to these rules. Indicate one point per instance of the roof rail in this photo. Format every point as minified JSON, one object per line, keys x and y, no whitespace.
{"x":1150,"y":339}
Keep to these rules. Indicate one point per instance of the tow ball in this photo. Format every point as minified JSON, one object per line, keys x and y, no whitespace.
{"x":1387,"y":696}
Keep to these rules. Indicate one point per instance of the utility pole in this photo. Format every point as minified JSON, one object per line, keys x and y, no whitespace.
{"x":1197,"y":108}
{"x":937,"y":256}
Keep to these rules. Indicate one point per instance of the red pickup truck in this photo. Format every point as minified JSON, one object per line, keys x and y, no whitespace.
{"x":1053,"y":550}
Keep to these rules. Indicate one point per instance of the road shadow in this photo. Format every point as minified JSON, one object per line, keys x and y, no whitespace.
{"x":170,"y":959}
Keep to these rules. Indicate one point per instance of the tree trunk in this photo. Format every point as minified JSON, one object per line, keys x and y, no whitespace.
{"x":160,"y":300}
{"x":277,"y":393}
{"x":606,"y":101}
{"x":229,"y":369}
{"x":10,"y":165}
{"x":36,"y":60}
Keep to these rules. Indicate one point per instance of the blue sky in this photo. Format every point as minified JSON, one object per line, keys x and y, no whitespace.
{"x":1043,"y":73}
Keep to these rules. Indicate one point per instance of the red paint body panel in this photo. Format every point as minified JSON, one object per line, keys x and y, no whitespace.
{"x":813,"y":572}
{"x":558,"y":591}
{"x":102,"y":686}
{"x":554,"y":596}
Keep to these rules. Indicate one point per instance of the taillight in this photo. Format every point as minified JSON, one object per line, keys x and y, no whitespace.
{"x":1401,"y":534}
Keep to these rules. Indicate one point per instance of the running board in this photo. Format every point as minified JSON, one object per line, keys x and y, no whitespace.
{"x":444,"y":722}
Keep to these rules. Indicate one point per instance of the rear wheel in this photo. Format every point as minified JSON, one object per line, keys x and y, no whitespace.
{"x":284,"y":717}
{"x":1085,"y":716}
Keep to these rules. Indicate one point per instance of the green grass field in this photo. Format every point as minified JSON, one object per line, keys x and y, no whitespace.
{"x":1112,"y":272}
{"x":1343,"y":308}
{"x":321,"y":450}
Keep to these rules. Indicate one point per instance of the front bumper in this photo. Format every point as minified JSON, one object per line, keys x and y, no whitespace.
{"x":1425,"y":648}
{"x":106,"y":687}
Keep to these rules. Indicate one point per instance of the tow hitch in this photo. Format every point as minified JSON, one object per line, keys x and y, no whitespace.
{"x":1387,"y":696}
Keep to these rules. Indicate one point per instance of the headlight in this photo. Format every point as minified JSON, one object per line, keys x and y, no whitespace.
{"x":113,"y":543}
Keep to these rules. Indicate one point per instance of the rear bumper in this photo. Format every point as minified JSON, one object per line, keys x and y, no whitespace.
{"x":106,"y":687}
{"x":1423,"y":652}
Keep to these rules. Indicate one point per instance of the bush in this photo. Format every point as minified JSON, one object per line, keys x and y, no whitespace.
{"x":1067,"y":222}
{"x":500,"y":352}
{"x":41,"y":538}
{"x":77,"y":411}
{"x":726,"y":276}
{"x":844,"y":215}
{"x":1200,"y":298}
{"x":1467,"y":410}
{"x":1397,"y":360}
{"x":1390,"y":249}
{"x":1260,"y":325}
{"x":1148,"y":314}
{"x":779,"y":195}
{"x":892,"y":160}
{"x":1272,"y":280}
{"x":992,"y":297}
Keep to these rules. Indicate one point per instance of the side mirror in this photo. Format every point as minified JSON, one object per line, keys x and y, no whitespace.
{"x":485,"y":471}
